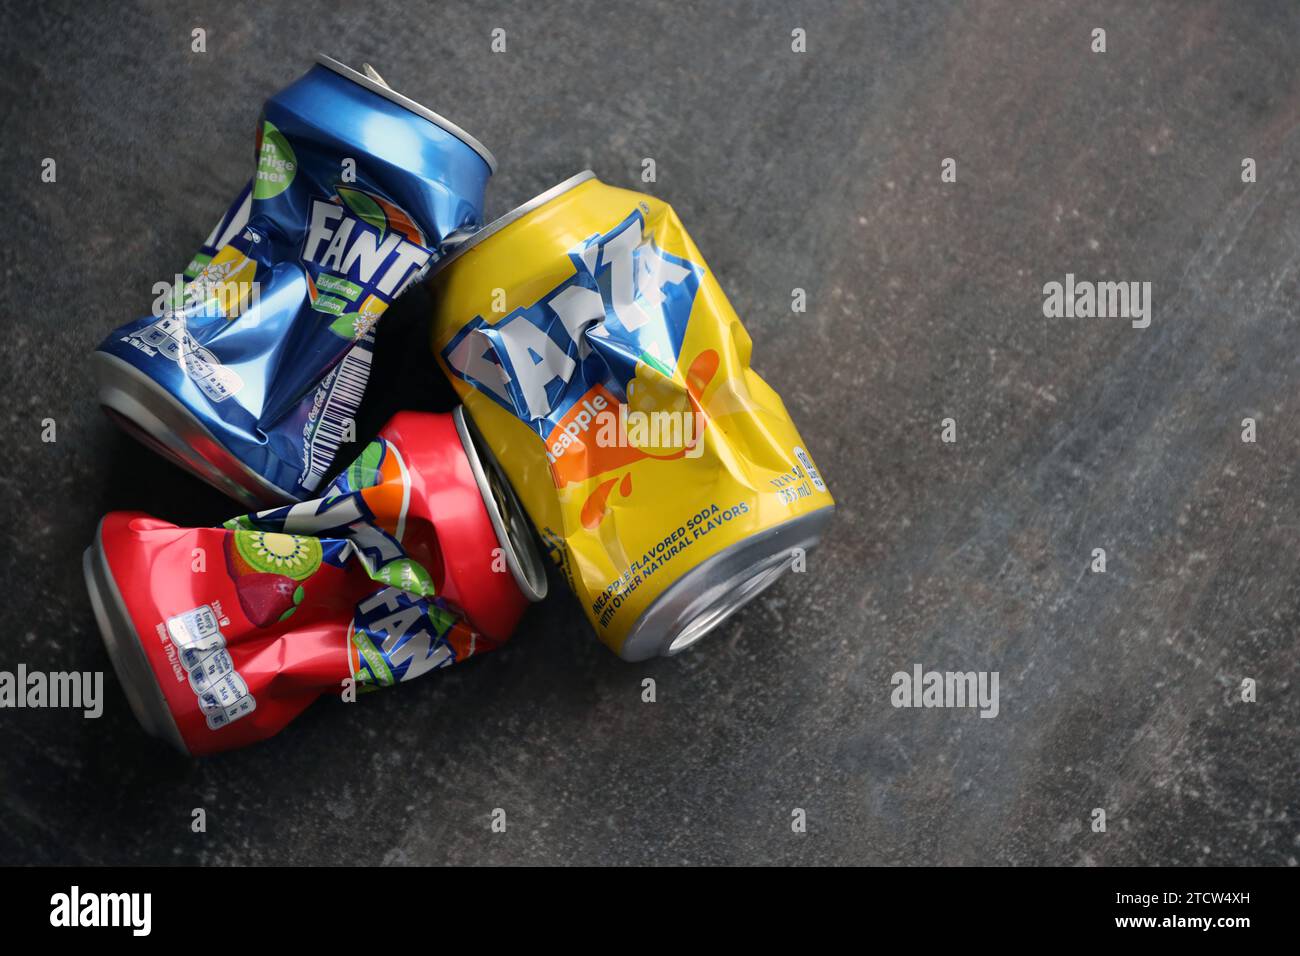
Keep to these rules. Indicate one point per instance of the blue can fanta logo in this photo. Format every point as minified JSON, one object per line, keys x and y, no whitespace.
{"x":360,"y":252}
{"x":628,"y":301}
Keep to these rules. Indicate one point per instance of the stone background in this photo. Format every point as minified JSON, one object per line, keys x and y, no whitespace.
{"x":819,"y":171}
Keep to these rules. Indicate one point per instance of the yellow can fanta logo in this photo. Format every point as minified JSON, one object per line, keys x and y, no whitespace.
{"x":626,"y":306}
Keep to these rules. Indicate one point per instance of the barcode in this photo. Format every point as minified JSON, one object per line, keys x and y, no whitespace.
{"x":337,"y":422}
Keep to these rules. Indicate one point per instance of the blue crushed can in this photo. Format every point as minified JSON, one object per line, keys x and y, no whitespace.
{"x":250,"y":372}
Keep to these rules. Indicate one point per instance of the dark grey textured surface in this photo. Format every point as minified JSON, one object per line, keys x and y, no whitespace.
{"x":818,"y":171}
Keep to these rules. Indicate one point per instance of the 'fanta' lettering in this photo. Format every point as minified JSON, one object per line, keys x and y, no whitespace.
{"x":347,"y":246}
{"x":627,"y":302}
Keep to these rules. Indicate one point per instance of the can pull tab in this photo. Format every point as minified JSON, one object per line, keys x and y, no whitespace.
{"x":373,"y":74}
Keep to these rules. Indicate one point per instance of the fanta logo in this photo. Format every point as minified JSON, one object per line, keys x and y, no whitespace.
{"x":366,"y":505}
{"x":405,"y":635}
{"x":342,"y":516}
{"x":366,"y":239}
{"x":627,"y":303}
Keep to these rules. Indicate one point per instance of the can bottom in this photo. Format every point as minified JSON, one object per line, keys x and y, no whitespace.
{"x":151,"y":414}
{"x":125,"y":651}
{"x":712,"y":591}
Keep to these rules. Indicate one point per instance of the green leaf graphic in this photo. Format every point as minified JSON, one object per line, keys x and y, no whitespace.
{"x":345,"y":326}
{"x":366,"y":208}
{"x":364,"y":472}
{"x":408,"y":575}
{"x":657,"y":365}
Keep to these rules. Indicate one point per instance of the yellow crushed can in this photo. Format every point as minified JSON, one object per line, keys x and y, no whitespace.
{"x":601,"y":361}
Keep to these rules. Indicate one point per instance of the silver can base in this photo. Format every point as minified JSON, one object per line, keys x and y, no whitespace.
{"x":712,"y":591}
{"x":124,"y":649}
{"x":150,"y":413}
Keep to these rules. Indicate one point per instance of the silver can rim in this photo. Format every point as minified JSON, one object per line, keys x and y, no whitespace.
{"x":695,"y":604}
{"x":514,"y":215}
{"x":522,"y":557}
{"x":125,"y":651}
{"x":172,"y":430}
{"x":388,"y":93}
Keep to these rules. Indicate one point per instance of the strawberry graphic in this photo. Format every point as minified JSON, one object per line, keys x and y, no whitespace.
{"x":267,"y":598}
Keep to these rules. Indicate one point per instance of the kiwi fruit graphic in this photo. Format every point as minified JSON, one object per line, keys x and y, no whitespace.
{"x":268,"y":552}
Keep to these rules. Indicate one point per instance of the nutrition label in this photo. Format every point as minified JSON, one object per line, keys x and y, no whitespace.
{"x":223,"y":696}
{"x":168,"y":337}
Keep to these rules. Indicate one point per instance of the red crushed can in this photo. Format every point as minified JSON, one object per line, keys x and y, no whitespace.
{"x":417,"y":557}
